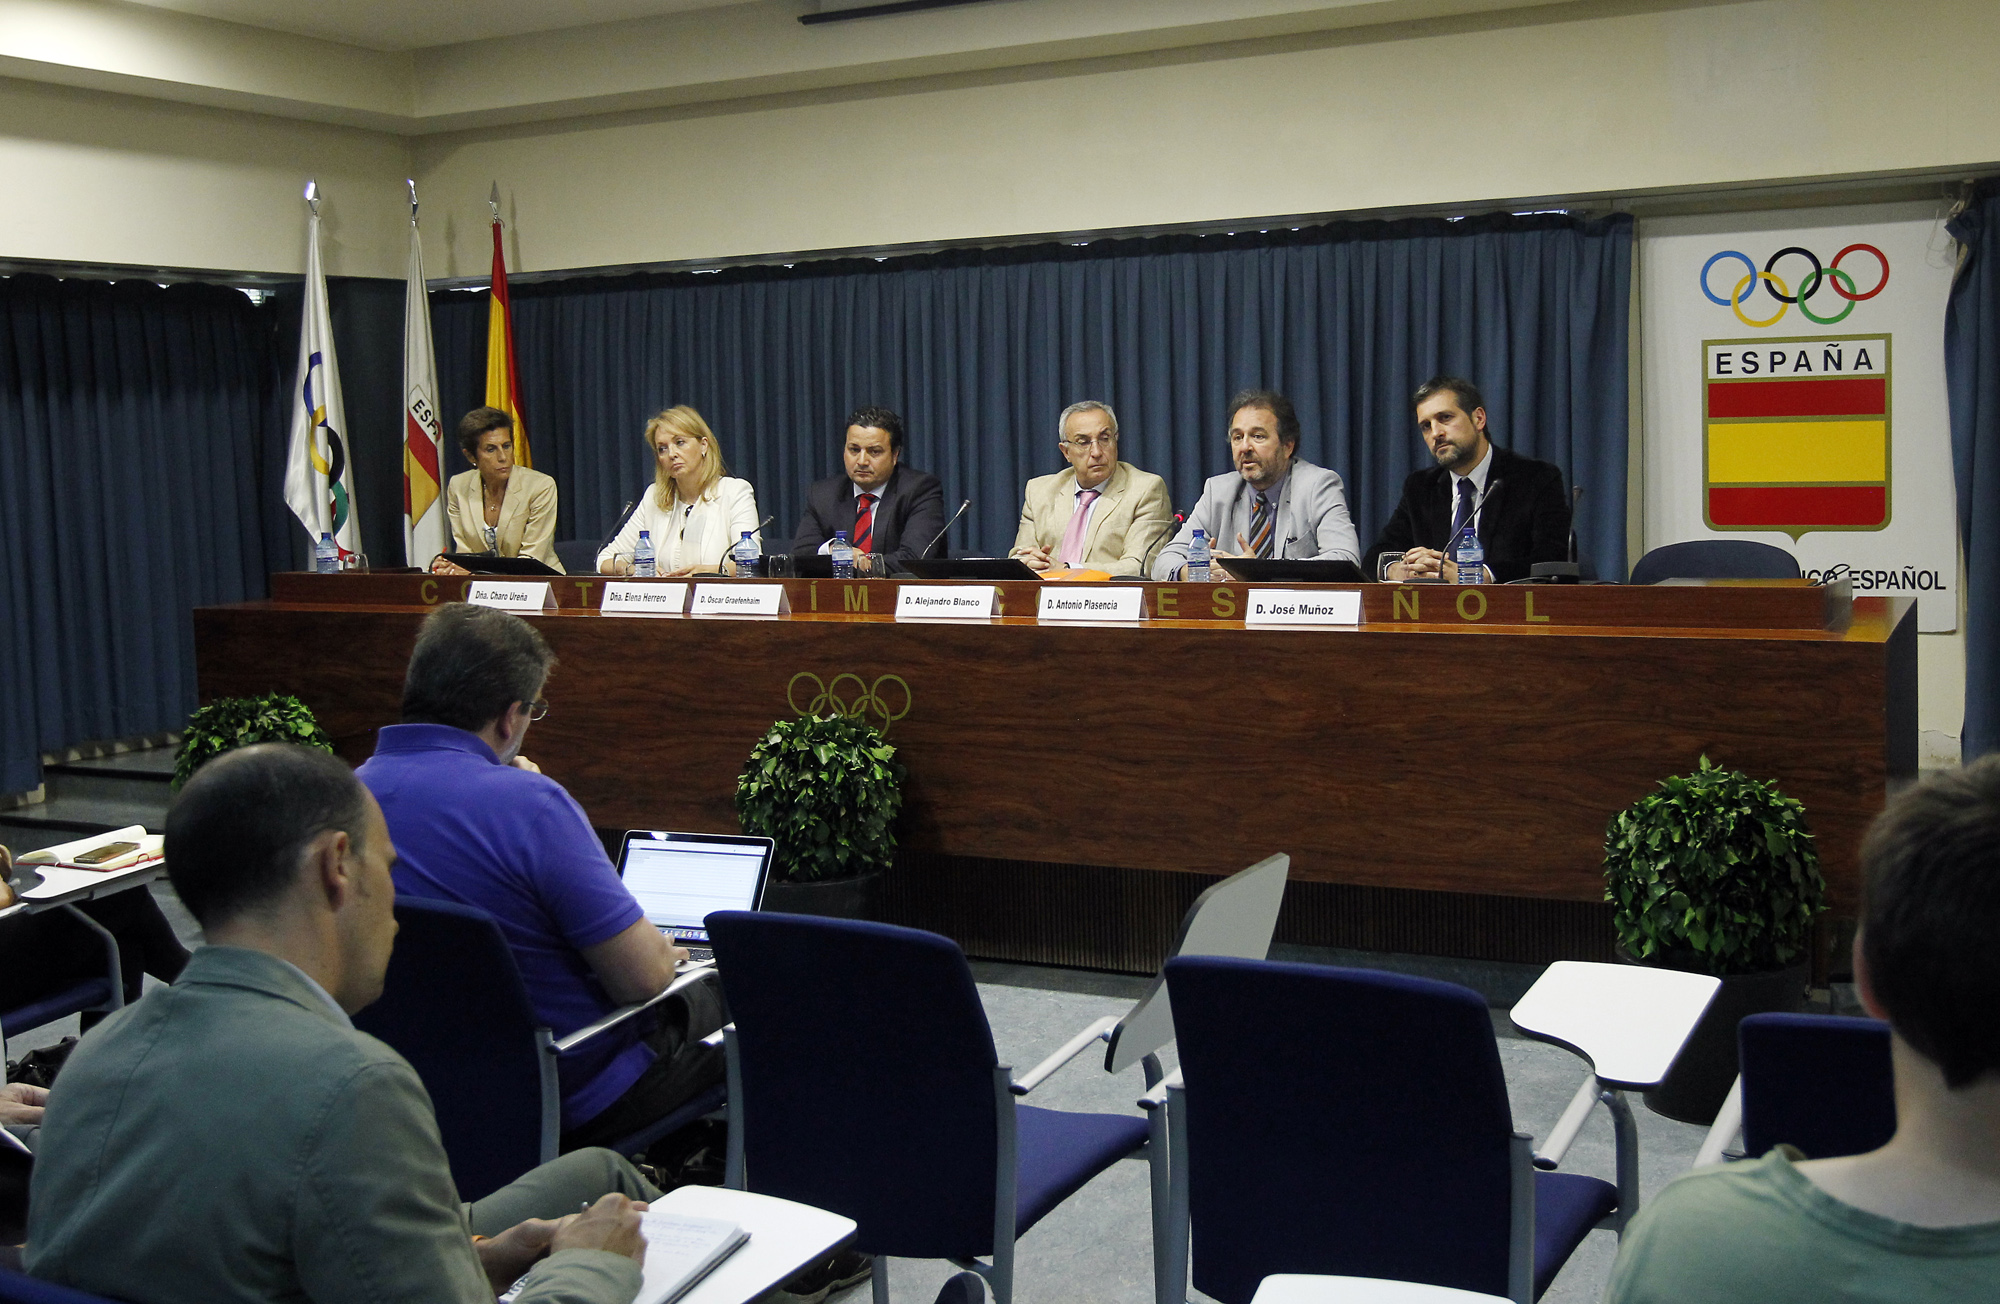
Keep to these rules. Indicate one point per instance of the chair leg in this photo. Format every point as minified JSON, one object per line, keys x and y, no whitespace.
{"x":733,"y":1175}
{"x":878,"y":1281}
{"x":1626,"y":1135}
{"x":1159,"y":1170}
{"x":1170,"y":1255}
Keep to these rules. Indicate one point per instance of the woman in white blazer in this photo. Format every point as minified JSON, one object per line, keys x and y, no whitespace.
{"x":696,"y":511}
{"x":499,"y":507}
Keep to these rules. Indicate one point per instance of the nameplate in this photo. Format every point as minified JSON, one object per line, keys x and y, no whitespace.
{"x":1062,"y":602}
{"x":627,"y":598}
{"x":1302,"y":607}
{"x":947,"y":601}
{"x":740,"y":600}
{"x":512,"y":595}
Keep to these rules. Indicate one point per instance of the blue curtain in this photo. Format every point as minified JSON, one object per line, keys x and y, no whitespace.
{"x":1972,"y":388}
{"x":138,"y":431}
{"x":981,"y":350}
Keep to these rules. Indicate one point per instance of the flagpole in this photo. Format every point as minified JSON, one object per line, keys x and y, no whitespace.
{"x":319,"y":485}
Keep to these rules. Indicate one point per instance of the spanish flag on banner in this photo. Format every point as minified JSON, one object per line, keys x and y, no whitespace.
{"x":503,"y":384}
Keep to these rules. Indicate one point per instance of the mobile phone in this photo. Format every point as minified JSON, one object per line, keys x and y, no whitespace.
{"x":110,"y":851}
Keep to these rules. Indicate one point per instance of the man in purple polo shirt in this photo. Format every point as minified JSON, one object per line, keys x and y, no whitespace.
{"x":477,"y":823}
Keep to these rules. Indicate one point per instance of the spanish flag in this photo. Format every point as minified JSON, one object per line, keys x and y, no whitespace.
{"x":503,"y":375}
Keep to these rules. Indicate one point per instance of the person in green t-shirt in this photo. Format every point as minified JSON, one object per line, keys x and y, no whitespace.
{"x":1918,"y":1219}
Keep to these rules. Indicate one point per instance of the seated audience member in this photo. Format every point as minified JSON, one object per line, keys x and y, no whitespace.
{"x":233,"y":1138}
{"x":888,"y":510}
{"x":1274,"y":504}
{"x":499,"y":507}
{"x":52,"y":951}
{"x":1522,"y":520}
{"x":475,"y":822}
{"x":696,"y":511}
{"x":1101,"y":514}
{"x":1918,"y":1219}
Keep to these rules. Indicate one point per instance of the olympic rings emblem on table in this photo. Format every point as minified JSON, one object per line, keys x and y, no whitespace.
{"x":1831,"y":274}
{"x":865,"y":698}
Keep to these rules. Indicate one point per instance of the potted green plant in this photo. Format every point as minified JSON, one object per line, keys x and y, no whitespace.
{"x":231,"y":722}
{"x":827,"y":789}
{"x":1716,"y":873}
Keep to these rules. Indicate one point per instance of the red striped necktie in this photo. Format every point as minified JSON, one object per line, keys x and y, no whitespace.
{"x":864,"y":523}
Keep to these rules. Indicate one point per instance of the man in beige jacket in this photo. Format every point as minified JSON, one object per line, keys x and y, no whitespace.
{"x":232,"y":1139}
{"x":1101,"y":514}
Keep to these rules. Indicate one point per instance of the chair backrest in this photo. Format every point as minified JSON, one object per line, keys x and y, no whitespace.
{"x":1816,"y":1081}
{"x":867,"y":1077}
{"x":1340,"y":1122}
{"x":15,"y":1288}
{"x":578,"y":556}
{"x":1716,"y":559}
{"x":1235,"y":917}
{"x":454,"y":1006}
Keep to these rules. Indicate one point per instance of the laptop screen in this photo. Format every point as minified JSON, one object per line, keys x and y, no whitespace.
{"x":678,"y":879}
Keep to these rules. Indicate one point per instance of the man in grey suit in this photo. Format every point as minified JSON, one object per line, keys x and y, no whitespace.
{"x":232,"y":1138}
{"x":1274,"y":504}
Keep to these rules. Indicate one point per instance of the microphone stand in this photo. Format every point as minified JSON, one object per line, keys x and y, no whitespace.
{"x":727,"y":548}
{"x":926,"y":550}
{"x":1471,"y":518}
{"x":1562,"y":572}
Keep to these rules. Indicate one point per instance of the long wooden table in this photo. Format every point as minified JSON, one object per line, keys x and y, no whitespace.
{"x":1471,"y":741}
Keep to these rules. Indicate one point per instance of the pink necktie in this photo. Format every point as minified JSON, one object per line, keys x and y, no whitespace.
{"x":1071,"y":551}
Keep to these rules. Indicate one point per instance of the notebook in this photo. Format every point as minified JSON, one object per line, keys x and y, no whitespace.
{"x":680,"y":1251}
{"x":679,"y":879}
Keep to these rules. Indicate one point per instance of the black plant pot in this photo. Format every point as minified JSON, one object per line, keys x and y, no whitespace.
{"x":1695,"y":1087}
{"x":859,"y":897}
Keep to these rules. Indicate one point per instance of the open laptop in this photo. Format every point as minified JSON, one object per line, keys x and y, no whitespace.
{"x":679,"y":879}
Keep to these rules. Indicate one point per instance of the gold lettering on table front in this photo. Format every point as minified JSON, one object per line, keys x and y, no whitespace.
{"x":1167,"y":603}
{"x":1223,"y":604}
{"x":465,"y":589}
{"x":1405,"y":607}
{"x":854,"y":597}
{"x":1465,"y":598}
{"x":428,"y":591}
{"x":1529,"y":594}
{"x":583,"y":588}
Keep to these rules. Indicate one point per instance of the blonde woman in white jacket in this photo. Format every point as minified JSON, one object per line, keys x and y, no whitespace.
{"x":696,"y":510}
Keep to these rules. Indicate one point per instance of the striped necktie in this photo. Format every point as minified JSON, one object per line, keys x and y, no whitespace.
{"x":864,"y":523}
{"x":1260,"y":525}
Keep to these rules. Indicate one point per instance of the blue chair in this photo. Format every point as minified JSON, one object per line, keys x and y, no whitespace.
{"x":15,"y":1288}
{"x":863,"y":1080}
{"x":1715,"y":559}
{"x":1819,"y":1082}
{"x":105,"y":992}
{"x":1343,"y":1122}
{"x":453,"y":1005}
{"x":578,"y":556}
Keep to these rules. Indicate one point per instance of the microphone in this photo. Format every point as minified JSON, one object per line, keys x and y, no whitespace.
{"x":729,"y":546}
{"x":1470,"y":517}
{"x":624,"y":515}
{"x":947,"y":528}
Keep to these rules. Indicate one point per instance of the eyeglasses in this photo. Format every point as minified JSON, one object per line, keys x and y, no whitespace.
{"x":1106,"y":442}
{"x":537,"y":709}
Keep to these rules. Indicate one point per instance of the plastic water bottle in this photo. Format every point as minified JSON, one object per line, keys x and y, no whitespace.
{"x":1196,"y":570}
{"x":843,"y":556}
{"x":326,"y":557}
{"x":1470,"y":557}
{"x":747,"y":555}
{"x":642,"y":556}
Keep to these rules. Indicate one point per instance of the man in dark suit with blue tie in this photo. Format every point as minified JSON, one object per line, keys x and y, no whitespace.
{"x":889,"y":511}
{"x":1516,"y":503}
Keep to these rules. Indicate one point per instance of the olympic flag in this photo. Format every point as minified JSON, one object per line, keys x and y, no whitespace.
{"x":424,"y":534}
{"x":318,"y":482}
{"x":1794,"y":393}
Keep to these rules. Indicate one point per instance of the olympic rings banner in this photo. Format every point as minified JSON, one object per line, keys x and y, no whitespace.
{"x":1794,"y":393}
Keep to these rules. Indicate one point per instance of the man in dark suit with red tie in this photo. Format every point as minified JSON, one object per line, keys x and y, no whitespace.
{"x":1516,"y":503}
{"x":889,"y":511}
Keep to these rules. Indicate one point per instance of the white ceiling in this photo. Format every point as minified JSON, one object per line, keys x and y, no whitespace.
{"x":419,"y":24}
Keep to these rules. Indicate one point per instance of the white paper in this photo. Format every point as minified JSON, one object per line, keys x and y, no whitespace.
{"x":740,"y":600}
{"x":1302,"y":607}
{"x":1076,"y":602}
{"x":531,"y":596}
{"x":947,"y":601}
{"x":630,"y":598}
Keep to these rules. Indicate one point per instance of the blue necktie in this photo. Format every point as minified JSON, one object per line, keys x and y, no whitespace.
{"x":1464,"y":512}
